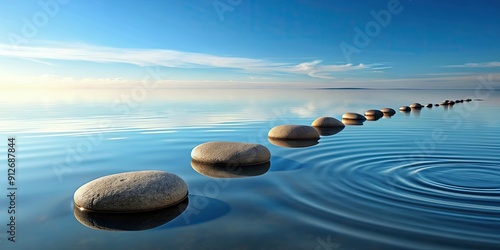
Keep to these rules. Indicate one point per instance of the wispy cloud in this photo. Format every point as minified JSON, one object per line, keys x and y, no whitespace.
{"x":174,"y":59}
{"x":475,"y":65}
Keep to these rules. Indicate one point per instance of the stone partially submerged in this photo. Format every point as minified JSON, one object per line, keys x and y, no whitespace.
{"x":388,"y":111}
{"x":293,"y":132}
{"x":131,"y":192}
{"x":327,"y":122}
{"x":353,"y":116}
{"x":230,"y":153}
{"x":373,"y":113}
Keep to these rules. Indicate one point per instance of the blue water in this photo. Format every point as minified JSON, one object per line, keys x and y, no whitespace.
{"x":420,"y":180}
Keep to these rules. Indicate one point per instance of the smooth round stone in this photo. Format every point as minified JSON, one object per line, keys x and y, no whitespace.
{"x":231,"y":153}
{"x":373,"y":112}
{"x":327,"y":122}
{"x":388,"y":111}
{"x":404,"y":108}
{"x":416,"y":105}
{"x":293,"y":132}
{"x":131,"y":192}
{"x":353,"y":116}
{"x":429,"y":105}
{"x":436,"y":105}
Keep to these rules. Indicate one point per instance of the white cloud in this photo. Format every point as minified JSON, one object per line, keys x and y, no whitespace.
{"x":475,"y":65}
{"x":171,"y":58}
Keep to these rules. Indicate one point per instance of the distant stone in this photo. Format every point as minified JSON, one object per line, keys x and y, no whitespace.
{"x":404,"y":108}
{"x":388,"y":111}
{"x":445,"y":102}
{"x":374,"y":113}
{"x":468,"y":100}
{"x":231,"y":153}
{"x":429,"y":105}
{"x":436,"y":105}
{"x":327,"y":122}
{"x":416,"y":105}
{"x":131,"y":192}
{"x":451,"y":103}
{"x":353,"y":116}
{"x":293,"y":132}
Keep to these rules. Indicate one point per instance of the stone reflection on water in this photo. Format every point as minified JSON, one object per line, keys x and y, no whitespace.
{"x":129,"y":221}
{"x":291,"y":143}
{"x":328,"y":131}
{"x":229,"y":171}
{"x":352,"y":122}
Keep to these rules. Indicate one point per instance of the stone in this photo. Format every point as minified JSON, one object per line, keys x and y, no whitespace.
{"x":416,"y":105}
{"x":327,"y":122}
{"x":445,"y":102}
{"x":436,"y":105}
{"x":468,"y":100}
{"x":388,"y":111}
{"x":373,"y":113}
{"x":231,"y":153}
{"x":293,"y":132}
{"x":219,"y":171}
{"x":451,"y":103}
{"x":429,"y":105}
{"x":404,"y":108}
{"x":131,"y":192}
{"x":353,"y":116}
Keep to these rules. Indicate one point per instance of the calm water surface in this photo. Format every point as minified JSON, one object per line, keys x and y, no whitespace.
{"x":421,"y":180}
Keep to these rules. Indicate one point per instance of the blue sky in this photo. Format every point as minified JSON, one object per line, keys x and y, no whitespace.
{"x":243,"y":43}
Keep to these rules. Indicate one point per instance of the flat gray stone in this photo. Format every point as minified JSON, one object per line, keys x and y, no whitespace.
{"x":373,"y":113}
{"x":404,"y":108}
{"x":388,"y":111}
{"x":131,"y":192}
{"x":293,"y":132}
{"x":327,"y":122}
{"x":231,"y":153}
{"x":353,"y":116}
